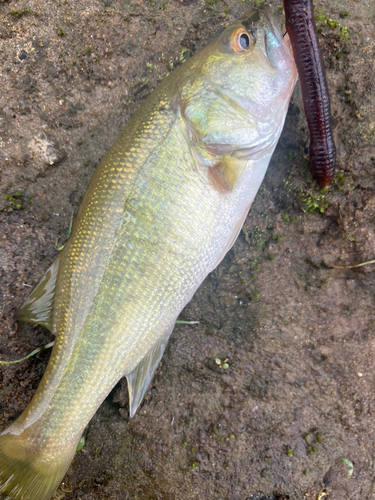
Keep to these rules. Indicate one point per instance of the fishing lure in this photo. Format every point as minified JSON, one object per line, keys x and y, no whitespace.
{"x":300,"y":25}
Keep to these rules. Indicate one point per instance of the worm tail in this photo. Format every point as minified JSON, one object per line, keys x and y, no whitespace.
{"x":300,"y":25}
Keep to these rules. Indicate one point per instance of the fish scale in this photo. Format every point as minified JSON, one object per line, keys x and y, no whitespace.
{"x":138,"y":292}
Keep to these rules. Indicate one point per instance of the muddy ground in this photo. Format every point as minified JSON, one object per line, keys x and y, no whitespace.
{"x":297,"y":334}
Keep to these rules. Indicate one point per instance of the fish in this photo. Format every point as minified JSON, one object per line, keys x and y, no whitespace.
{"x":163,"y":208}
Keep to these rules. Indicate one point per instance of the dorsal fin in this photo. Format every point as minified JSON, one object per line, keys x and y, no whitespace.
{"x":37,"y":307}
{"x":139,"y":379}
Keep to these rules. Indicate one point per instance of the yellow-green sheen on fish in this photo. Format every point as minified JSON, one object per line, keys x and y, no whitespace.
{"x":161,"y":211}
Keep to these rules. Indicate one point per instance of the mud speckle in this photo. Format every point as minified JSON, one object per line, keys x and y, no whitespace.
{"x":297,"y":334}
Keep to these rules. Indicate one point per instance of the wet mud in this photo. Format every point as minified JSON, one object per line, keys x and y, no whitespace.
{"x":271,"y":395}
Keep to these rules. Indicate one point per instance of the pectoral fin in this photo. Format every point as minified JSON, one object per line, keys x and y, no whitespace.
{"x":139,"y":379}
{"x":225,"y":174}
{"x":37,"y":308}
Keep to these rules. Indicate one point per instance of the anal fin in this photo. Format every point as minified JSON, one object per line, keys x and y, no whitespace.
{"x":37,"y":307}
{"x":139,"y":379}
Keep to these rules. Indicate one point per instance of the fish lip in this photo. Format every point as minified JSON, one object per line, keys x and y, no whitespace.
{"x":267,"y":16}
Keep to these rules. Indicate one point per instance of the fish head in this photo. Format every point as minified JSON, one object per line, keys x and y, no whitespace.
{"x":234,"y":104}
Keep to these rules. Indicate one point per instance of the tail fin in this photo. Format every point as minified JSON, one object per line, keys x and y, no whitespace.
{"x":24,"y":475}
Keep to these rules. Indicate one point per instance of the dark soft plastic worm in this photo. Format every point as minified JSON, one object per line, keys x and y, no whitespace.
{"x":300,"y":25}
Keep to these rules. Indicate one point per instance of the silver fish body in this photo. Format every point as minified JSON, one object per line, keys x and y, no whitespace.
{"x":163,"y":208}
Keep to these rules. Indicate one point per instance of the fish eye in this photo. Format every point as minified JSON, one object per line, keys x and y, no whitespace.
{"x":241,"y":41}
{"x":245,"y":41}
